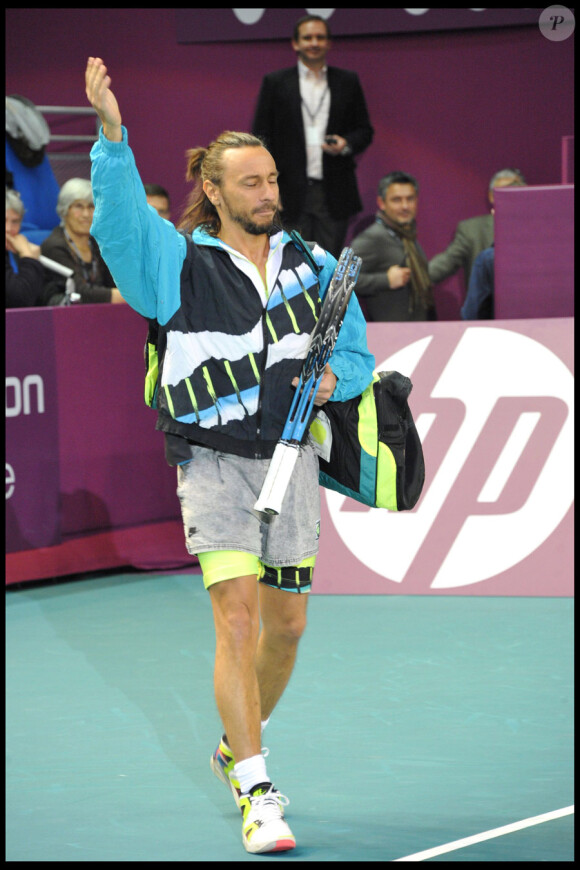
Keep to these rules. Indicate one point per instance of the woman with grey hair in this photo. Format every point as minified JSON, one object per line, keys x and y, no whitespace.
{"x":24,"y":273}
{"x":72,"y":245}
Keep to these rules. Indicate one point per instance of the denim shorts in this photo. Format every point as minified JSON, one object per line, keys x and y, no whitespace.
{"x":217,"y":492}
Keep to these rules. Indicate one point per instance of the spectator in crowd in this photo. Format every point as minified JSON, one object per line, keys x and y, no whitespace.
{"x":479,"y":302}
{"x":394,"y":282}
{"x":158,"y":197}
{"x":472,"y":235}
{"x":72,"y":245}
{"x":24,"y":272}
{"x":314,"y":120}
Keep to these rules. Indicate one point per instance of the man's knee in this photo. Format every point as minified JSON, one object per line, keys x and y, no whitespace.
{"x":283,"y":616}
{"x":238,"y":625}
{"x":285,"y":629}
{"x":293,"y":628}
{"x":236,"y":617}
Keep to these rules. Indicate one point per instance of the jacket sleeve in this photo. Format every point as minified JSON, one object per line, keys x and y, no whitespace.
{"x":359,"y":132}
{"x":261,"y":125}
{"x":351,"y":361}
{"x":378,"y":254}
{"x":447,"y":263}
{"x":481,"y":285}
{"x":143,"y":251}
{"x":373,"y":279}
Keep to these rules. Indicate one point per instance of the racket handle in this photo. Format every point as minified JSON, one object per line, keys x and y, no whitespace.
{"x":277,"y":478}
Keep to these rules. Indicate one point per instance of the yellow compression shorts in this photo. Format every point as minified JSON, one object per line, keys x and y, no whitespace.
{"x":219,"y":565}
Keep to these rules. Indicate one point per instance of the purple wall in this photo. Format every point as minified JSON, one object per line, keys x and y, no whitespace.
{"x":449,"y":107}
{"x":534,"y":252}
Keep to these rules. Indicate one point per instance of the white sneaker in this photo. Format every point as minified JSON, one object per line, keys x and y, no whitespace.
{"x":222,"y":763}
{"x":263,"y":826}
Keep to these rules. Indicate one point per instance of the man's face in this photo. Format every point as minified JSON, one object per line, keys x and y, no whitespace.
{"x":400,"y":203}
{"x":312,"y":44}
{"x":13,"y":222}
{"x":248,"y":192}
{"x":161,"y":205}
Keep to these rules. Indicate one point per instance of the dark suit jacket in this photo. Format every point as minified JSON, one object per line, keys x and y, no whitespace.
{"x":278,"y":120}
{"x":380,"y":248}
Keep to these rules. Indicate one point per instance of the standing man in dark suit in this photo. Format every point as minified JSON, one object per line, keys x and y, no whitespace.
{"x":314,"y":120}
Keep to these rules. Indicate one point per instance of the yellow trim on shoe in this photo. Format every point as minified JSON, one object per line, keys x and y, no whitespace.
{"x":264,"y":828}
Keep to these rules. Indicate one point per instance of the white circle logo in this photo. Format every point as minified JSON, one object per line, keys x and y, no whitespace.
{"x":499,"y":429}
{"x":248,"y":16}
{"x":557,"y":23}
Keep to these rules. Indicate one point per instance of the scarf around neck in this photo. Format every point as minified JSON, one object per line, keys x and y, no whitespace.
{"x":421,"y":289}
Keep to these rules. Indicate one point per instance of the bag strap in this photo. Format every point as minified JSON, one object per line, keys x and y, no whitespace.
{"x":304,"y":247}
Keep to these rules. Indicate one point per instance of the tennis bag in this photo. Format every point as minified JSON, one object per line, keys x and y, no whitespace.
{"x":369,"y":447}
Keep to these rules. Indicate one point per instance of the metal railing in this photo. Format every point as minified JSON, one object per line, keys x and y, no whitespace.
{"x":71,"y":110}
{"x":74,"y":160}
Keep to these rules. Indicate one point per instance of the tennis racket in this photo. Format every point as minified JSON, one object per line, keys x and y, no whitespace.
{"x":320,"y":347}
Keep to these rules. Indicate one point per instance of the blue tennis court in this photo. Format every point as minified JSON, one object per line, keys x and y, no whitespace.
{"x":413,"y":728}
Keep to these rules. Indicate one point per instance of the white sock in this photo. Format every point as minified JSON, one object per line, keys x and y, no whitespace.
{"x":250,"y":772}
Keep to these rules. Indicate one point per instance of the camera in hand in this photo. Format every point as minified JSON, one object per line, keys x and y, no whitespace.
{"x":330,"y":140}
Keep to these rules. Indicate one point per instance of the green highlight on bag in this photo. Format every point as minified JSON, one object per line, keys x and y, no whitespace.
{"x":369,"y":447}
{"x":151,"y":374}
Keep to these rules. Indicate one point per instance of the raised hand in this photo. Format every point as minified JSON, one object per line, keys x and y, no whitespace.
{"x":102,"y":99}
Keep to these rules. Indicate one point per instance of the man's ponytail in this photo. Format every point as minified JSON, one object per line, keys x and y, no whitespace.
{"x":199,"y":211}
{"x":204,"y":164}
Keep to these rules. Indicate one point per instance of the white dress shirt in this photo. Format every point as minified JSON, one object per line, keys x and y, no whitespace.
{"x":315,"y":99}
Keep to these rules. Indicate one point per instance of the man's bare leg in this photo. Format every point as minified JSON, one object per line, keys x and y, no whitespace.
{"x":237,"y":693}
{"x":283,"y":623}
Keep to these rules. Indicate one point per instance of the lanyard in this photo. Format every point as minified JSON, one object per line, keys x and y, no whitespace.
{"x":312,"y":115}
{"x":90,"y":277}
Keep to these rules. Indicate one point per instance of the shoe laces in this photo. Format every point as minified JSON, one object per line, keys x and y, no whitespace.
{"x":267,"y":805}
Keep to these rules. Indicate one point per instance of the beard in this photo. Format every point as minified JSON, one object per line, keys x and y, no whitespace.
{"x":252,"y":227}
{"x":255,"y":227}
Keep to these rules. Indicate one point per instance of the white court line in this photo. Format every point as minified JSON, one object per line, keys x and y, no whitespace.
{"x":487,"y":835}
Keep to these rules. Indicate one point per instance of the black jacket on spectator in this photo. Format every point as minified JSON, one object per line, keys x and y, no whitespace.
{"x":91,"y":289}
{"x":24,"y":288}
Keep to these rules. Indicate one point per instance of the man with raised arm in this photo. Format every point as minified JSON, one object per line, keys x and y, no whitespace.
{"x":232,"y":299}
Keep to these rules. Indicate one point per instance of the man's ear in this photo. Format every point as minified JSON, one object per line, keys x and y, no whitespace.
{"x":211,"y":191}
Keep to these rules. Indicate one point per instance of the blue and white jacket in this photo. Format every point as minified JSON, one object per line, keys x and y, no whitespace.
{"x":228,"y":346}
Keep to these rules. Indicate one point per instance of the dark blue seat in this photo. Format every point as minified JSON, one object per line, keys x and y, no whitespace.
{"x":38,"y":189}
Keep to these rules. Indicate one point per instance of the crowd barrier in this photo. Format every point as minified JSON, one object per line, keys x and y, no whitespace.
{"x":88,"y":488}
{"x":87,"y":485}
{"x":534,"y":251}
